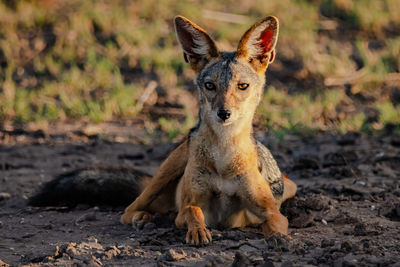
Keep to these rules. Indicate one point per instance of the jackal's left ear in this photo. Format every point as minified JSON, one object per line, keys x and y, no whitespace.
{"x":198,"y":47}
{"x":257,"y":45}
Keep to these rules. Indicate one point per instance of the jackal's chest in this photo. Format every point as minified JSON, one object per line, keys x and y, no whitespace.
{"x":222,"y":200}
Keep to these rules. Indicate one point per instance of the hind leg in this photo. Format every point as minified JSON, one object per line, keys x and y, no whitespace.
{"x":166,"y":177}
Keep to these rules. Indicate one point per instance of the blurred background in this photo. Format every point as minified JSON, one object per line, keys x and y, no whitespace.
{"x":66,"y":62}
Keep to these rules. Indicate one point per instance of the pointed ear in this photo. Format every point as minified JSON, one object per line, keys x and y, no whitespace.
{"x":257,"y":45}
{"x":198,"y":47}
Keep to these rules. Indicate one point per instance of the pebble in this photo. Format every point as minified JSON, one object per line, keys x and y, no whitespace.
{"x":241,"y":260}
{"x":327,"y":243}
{"x":172,"y":255}
{"x":195,"y":255}
{"x":112,"y":252}
{"x":346,"y":246}
{"x":360,"y":229}
{"x":2,"y":263}
{"x":303,"y":220}
{"x":316,"y":202}
{"x":91,"y":216}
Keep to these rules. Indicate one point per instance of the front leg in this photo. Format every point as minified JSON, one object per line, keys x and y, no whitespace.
{"x":193,"y":218}
{"x":261,"y":201}
{"x":190,"y":214}
{"x":170,"y":170}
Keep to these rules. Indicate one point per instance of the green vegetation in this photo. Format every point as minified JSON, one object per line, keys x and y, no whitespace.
{"x":92,"y":60}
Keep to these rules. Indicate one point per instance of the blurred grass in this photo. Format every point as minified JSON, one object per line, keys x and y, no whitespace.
{"x":337,"y":66}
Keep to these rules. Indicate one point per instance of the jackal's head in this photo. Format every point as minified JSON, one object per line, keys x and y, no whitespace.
{"x":230,"y":83}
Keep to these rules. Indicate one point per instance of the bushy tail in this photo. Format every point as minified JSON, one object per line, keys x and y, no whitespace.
{"x":114,"y":186}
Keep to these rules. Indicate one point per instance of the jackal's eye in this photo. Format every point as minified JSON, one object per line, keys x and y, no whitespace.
{"x":209,"y":86}
{"x":242,"y":86}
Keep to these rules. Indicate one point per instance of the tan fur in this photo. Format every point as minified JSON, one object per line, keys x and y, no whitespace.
{"x":213,"y":178}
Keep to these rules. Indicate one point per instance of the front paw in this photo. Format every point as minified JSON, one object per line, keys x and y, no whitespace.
{"x":138,"y":219}
{"x":276,"y":224}
{"x":126,"y":218}
{"x":198,"y":236}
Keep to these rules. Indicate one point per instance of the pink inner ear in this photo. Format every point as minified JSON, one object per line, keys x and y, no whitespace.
{"x":266,"y":40}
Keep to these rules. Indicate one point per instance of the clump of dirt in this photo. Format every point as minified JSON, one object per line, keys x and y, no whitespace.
{"x":346,"y":211}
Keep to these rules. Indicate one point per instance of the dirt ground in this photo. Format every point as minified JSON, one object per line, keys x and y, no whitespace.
{"x":346,"y":212}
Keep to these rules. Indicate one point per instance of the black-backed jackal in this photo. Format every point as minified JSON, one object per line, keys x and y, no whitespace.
{"x":220,"y":176}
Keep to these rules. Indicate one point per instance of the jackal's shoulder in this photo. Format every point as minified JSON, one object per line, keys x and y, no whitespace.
{"x":269,"y":169}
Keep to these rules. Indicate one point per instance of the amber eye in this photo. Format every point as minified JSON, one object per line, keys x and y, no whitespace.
{"x":243,"y":86}
{"x":209,"y":86}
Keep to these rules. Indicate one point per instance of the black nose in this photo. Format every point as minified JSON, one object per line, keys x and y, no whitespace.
{"x":224,"y":114}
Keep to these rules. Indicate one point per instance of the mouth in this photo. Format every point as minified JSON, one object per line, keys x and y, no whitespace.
{"x":225,"y":123}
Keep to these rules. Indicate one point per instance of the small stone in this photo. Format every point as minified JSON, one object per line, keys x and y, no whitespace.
{"x":91,"y":244}
{"x":324,"y":222}
{"x":71,"y":250}
{"x":303,"y":220}
{"x":327,"y":243}
{"x":360,"y":229}
{"x":195,"y":255}
{"x":217,"y":235}
{"x":172,"y":255}
{"x":91,"y":216}
{"x":277,"y":243}
{"x":241,"y":260}
{"x":257,"y":260}
{"x":91,"y":130}
{"x":316,"y":202}
{"x":3,"y":264}
{"x":346,"y":246}
{"x":112,"y":252}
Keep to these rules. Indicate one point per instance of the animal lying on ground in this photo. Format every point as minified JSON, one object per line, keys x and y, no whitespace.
{"x":219,"y":176}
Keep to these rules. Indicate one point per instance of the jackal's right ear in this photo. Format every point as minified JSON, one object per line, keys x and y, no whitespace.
{"x":257,"y":45}
{"x":198,"y":47}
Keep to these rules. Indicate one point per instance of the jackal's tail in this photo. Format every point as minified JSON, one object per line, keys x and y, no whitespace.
{"x":96,"y":186}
